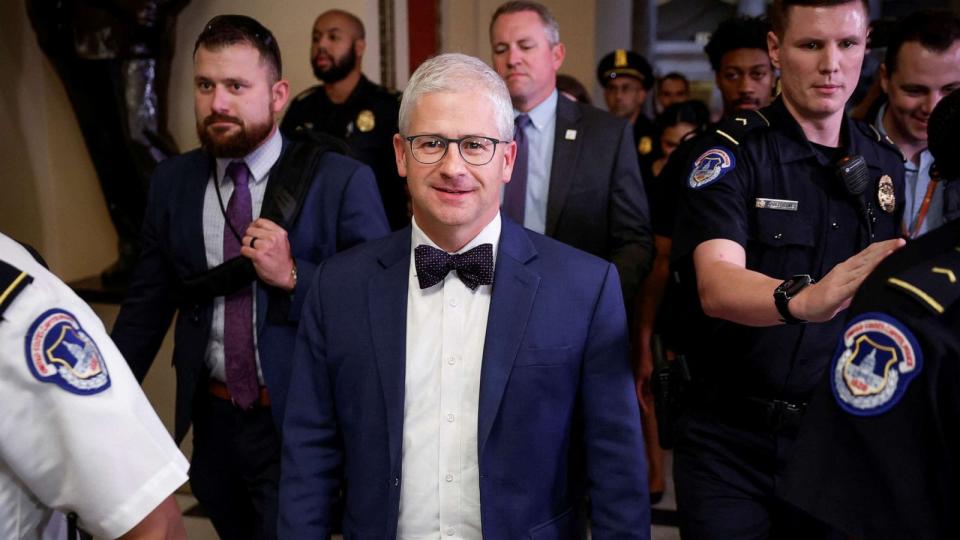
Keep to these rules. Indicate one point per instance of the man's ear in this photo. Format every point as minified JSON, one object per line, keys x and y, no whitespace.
{"x":279,"y":94}
{"x":773,"y":48}
{"x":400,"y":152}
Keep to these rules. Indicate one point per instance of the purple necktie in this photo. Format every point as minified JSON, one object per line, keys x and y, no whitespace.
{"x":515,"y":196}
{"x":238,"y":353}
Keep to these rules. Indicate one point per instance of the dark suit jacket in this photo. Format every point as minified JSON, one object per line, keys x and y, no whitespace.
{"x":558,"y":411}
{"x":341,"y":209}
{"x":596,"y":200}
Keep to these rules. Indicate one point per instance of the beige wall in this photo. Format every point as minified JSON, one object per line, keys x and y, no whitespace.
{"x":464,"y":29}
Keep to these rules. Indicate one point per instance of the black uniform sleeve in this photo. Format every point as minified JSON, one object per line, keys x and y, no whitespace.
{"x":717,"y":184}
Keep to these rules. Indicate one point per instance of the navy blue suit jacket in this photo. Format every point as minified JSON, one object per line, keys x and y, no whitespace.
{"x":342,"y":208}
{"x":558,"y":413}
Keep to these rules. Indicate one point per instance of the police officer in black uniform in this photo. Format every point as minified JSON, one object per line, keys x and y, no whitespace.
{"x":350,"y":107}
{"x":883,"y":429}
{"x":784,"y":214}
{"x":627,"y":78}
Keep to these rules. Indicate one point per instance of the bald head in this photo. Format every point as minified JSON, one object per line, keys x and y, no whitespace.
{"x":344,"y":21}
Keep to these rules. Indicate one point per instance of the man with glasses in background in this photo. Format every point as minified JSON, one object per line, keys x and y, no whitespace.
{"x":464,"y":377}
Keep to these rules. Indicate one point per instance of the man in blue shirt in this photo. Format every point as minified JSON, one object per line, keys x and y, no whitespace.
{"x":922,"y":66}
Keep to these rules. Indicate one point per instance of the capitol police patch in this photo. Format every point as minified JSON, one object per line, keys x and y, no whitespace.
{"x":59,"y":351}
{"x":710,"y":166}
{"x":877,"y":358}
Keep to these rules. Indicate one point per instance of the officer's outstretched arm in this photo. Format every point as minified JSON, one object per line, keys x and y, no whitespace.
{"x":822,"y":301}
{"x":163,"y":523}
{"x":728,"y":290}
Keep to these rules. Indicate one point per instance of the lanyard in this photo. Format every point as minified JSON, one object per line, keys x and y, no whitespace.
{"x":924,"y":207}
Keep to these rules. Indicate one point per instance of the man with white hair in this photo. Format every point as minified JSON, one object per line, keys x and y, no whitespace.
{"x":485,"y":402}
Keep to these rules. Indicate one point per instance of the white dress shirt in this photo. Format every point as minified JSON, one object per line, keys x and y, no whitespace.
{"x":446,"y":326}
{"x":260,"y":161}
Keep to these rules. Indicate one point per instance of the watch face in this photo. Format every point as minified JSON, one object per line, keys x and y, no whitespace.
{"x":795,"y":284}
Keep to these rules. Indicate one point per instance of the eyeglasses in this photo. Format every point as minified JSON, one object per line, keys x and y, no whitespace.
{"x":474,"y":149}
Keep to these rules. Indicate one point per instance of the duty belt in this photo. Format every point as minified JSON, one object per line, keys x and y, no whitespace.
{"x":758,"y":413}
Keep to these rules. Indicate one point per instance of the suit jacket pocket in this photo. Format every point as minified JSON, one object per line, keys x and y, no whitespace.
{"x":545,"y":356}
{"x":561,"y":527}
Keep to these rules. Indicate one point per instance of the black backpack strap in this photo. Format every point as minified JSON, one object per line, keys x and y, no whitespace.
{"x":290,"y":180}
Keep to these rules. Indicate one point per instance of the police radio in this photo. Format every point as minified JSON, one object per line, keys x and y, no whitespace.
{"x":853,"y":171}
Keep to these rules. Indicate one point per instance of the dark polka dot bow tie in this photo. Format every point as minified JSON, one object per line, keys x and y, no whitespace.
{"x":474,"y":267}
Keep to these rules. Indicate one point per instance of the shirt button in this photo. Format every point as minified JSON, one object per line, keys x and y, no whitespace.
{"x":448,"y":477}
{"x":450,"y":417}
{"x":451,"y":360}
{"x":453,"y":302}
{"x":835,"y":225}
{"x":451,"y":531}
{"x":396,"y":481}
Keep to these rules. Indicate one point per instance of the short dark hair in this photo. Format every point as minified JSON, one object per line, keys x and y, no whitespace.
{"x":780,"y":10}
{"x":226,"y":30}
{"x":692,"y":112}
{"x":935,"y":30}
{"x":572,"y":86}
{"x":676,"y":76}
{"x":736,"y":33}
{"x":519,"y":6}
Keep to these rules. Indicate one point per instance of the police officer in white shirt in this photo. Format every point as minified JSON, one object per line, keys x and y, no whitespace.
{"x":76,"y":432}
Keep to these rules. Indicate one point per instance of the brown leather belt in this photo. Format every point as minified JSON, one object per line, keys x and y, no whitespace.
{"x":219,"y":389}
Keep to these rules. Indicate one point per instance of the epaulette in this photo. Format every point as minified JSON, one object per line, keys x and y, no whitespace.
{"x":12,"y":282}
{"x":307,"y":93}
{"x":736,"y":128}
{"x":932,"y":283}
{"x":882,"y":140}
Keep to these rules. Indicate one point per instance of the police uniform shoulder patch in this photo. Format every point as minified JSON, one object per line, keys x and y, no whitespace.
{"x":877,"y":358}
{"x":12,"y":282}
{"x":60,"y":352}
{"x":711,"y":165}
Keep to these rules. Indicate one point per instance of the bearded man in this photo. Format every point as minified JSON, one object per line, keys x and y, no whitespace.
{"x":350,"y":107}
{"x":234,"y":338}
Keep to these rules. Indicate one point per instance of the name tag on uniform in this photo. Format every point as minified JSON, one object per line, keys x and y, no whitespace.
{"x":777,"y":204}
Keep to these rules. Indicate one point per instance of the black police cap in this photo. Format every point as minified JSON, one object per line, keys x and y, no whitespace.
{"x":624,"y":63}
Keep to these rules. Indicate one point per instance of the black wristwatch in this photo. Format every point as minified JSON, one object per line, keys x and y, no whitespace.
{"x":786,"y":291}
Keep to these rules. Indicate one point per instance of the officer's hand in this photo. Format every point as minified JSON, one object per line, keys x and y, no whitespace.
{"x":822,"y":301}
{"x":642,"y":378}
{"x":270,"y":253}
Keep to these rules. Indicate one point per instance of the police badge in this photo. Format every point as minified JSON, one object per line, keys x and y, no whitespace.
{"x":885,"y":194}
{"x":59,"y":351}
{"x":365,"y":121}
{"x":645,"y":146}
{"x":877,"y":358}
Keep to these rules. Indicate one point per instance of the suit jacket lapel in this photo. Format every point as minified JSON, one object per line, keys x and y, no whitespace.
{"x":565,"y":153}
{"x":387,"y":303}
{"x":191,"y":227}
{"x":514,"y":289}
